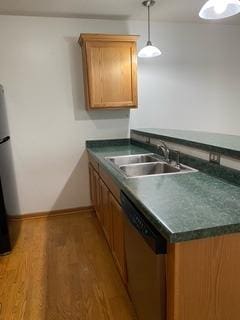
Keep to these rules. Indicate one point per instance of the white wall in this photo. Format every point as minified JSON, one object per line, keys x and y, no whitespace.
{"x":41,"y":71}
{"x":193,"y":85}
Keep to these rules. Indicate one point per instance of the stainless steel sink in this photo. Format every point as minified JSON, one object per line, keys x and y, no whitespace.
{"x":144,"y":165}
{"x":130,"y":159}
{"x":148,"y":169}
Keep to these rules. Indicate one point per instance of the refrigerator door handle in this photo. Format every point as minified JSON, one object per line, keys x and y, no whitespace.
{"x":5,"y":139}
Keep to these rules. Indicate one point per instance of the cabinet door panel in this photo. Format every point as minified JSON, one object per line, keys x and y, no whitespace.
{"x":118,"y":247}
{"x":91,"y":184}
{"x":105,"y":212}
{"x":112,"y":74}
{"x":96,"y":194}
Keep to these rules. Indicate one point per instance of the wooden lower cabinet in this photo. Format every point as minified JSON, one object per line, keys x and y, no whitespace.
{"x":201,"y":277}
{"x":110,"y":216}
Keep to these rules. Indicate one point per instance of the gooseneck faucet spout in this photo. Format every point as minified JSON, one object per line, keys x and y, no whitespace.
{"x":163,"y":147}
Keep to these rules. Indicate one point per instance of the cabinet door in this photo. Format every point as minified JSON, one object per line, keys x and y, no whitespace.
{"x":118,"y":248}
{"x":96,"y":193}
{"x":112,"y":74}
{"x":91,"y":184}
{"x":105,"y":212}
{"x":94,"y":188}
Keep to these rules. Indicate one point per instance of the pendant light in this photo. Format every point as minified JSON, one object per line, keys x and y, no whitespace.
{"x":219,"y":9}
{"x":149,"y":51}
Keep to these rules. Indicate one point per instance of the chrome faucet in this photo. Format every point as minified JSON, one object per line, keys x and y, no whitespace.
{"x":162,"y":146}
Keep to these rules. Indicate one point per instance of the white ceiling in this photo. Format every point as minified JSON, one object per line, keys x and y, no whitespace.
{"x":164,"y":10}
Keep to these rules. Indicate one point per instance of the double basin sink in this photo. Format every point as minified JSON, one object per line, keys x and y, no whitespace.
{"x":133,"y":166}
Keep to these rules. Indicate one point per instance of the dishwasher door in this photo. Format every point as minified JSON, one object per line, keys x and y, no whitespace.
{"x":145,"y":255}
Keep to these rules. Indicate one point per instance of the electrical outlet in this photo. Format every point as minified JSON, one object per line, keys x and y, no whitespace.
{"x":214,"y":157}
{"x":148,"y":140}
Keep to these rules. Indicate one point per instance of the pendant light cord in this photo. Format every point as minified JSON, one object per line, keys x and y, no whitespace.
{"x":149,"y":41}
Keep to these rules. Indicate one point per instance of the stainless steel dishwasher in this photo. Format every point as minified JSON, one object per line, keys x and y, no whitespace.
{"x":145,"y":254}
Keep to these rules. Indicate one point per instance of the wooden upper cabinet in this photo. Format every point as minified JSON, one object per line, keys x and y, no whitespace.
{"x":110,"y":70}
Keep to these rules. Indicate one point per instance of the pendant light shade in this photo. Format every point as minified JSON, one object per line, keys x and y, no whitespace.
{"x":219,"y":9}
{"x":149,"y":51}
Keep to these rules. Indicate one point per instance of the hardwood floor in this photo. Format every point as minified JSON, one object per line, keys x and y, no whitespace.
{"x":61,"y":268}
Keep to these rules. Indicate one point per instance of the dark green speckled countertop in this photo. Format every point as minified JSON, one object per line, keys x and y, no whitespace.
{"x":181,"y":207}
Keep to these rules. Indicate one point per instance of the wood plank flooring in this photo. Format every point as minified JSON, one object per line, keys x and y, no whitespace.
{"x":61,"y":268}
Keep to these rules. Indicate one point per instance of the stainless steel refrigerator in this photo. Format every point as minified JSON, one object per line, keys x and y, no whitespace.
{"x":5,"y":246}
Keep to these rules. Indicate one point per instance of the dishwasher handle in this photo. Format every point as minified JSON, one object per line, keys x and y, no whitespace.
{"x":151,"y":236}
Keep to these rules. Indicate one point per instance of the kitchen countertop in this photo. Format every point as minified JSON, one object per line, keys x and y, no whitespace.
{"x":181,"y":207}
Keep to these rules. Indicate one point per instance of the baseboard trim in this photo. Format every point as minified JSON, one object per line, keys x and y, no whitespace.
{"x":53,"y":213}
